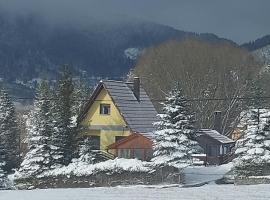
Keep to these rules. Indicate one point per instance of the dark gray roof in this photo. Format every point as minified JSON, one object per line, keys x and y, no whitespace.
{"x":139,"y":115}
{"x":215,"y":135}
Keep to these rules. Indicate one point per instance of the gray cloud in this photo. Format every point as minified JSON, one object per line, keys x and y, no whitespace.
{"x":239,"y":20}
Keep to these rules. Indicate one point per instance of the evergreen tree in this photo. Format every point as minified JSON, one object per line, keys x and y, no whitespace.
{"x":57,"y":145}
{"x":2,"y":174}
{"x":175,"y":134}
{"x":2,"y":166}
{"x":255,"y":92}
{"x":253,"y":150}
{"x":87,"y":152}
{"x":39,"y":131}
{"x":81,"y":94}
{"x":9,"y":133}
{"x":65,"y":138}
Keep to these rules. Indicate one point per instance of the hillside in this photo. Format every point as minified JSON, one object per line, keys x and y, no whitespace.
{"x":263,"y":54}
{"x":30,"y":48}
{"x":257,"y":44}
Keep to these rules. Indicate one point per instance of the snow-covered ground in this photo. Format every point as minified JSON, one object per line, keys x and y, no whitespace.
{"x":201,"y":174}
{"x":207,"y":192}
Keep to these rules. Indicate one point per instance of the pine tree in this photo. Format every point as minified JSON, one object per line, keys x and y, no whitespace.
{"x":175,"y":134}
{"x":2,"y":174}
{"x":255,"y":92}
{"x":39,"y":131}
{"x":57,"y":145}
{"x":63,"y":117}
{"x":253,"y":150}
{"x":9,"y":132}
{"x":87,"y":152}
{"x":80,"y":95}
{"x":2,"y":166}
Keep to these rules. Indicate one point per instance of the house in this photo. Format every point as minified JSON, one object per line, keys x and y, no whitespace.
{"x":217,"y":147}
{"x":119,"y":118}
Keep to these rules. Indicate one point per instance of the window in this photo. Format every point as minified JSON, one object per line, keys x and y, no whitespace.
{"x":212,"y":150}
{"x":124,"y":153}
{"x":105,"y":109}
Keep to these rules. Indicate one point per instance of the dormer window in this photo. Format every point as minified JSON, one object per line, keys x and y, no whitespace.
{"x":105,"y":109}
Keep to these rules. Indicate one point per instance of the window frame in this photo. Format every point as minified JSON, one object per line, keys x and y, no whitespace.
{"x":101,"y":109}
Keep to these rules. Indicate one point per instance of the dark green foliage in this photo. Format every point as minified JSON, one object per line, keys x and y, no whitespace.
{"x":259,"y":43}
{"x":81,"y":95}
{"x":9,"y":133}
{"x":255,"y":94}
{"x":63,"y":116}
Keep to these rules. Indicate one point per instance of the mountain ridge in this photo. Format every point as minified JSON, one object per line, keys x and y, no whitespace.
{"x":31,"y":48}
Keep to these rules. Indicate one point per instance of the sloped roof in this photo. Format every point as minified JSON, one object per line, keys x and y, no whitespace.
{"x":125,"y":140}
{"x":215,"y":135}
{"x":139,"y":115}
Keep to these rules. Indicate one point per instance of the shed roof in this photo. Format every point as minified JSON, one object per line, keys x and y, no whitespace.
{"x":139,"y":115}
{"x":215,"y":136}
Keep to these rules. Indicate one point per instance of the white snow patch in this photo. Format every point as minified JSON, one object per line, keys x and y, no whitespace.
{"x":79,"y":168}
{"x":133,"y":53}
{"x":202,"y":174}
{"x":209,"y":192}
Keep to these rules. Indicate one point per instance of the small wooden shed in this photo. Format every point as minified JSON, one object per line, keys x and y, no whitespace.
{"x":217,"y":147}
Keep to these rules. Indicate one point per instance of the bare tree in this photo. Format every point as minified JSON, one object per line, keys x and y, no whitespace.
{"x":205,"y":70}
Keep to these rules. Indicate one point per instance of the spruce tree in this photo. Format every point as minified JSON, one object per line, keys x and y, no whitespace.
{"x":63,"y":116}
{"x":175,"y":133}
{"x":253,"y":150}
{"x":81,"y":94}
{"x":39,"y":131}
{"x":87,"y":152}
{"x":2,"y":174}
{"x":9,"y":132}
{"x":255,"y":92}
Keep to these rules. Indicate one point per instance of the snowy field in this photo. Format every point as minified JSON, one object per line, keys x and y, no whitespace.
{"x":201,"y":174}
{"x":207,"y":192}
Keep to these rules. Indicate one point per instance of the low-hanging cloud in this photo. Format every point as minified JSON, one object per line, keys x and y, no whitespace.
{"x":240,"y":20}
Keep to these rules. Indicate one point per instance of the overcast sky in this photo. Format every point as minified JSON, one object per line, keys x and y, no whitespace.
{"x":239,"y":20}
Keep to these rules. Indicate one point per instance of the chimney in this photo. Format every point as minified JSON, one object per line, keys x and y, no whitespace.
{"x":136,"y":87}
{"x":217,"y":121}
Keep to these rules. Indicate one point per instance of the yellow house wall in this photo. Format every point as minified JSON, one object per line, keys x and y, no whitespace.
{"x":94,"y":118}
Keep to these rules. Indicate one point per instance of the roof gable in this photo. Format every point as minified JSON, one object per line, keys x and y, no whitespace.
{"x":139,"y":115}
{"x":94,"y":119}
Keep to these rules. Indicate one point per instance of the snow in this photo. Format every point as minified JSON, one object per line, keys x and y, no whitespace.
{"x":84,"y":169}
{"x":263,"y":54}
{"x":133,"y":53}
{"x":200,"y":174}
{"x":208,"y":192}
